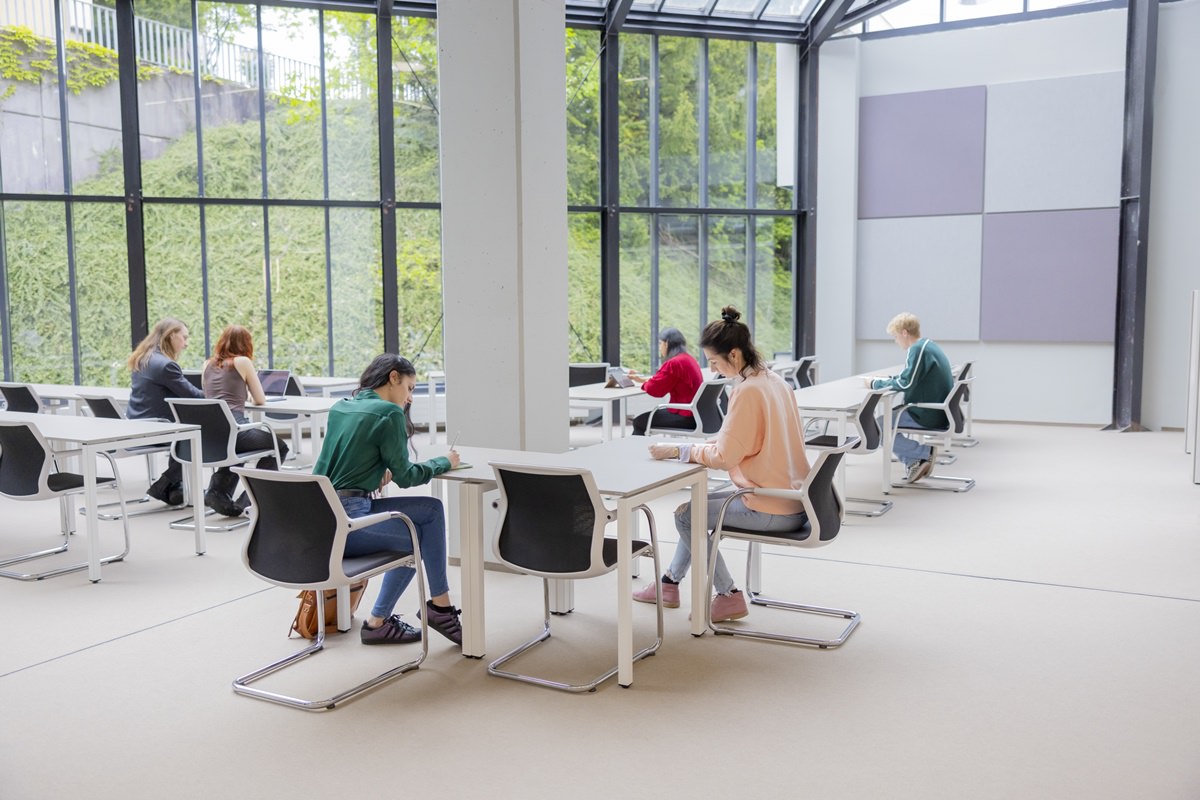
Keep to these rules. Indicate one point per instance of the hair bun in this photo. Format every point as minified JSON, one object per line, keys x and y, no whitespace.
{"x":730,"y":314}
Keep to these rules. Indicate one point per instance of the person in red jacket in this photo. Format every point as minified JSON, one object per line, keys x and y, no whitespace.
{"x":679,"y":376}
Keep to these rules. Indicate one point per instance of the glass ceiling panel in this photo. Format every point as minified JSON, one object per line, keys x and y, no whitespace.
{"x":685,"y":5}
{"x":788,"y":8}
{"x":739,"y":7}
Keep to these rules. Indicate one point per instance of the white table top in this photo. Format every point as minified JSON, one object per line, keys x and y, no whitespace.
{"x":597,"y":392}
{"x":326,"y":383}
{"x":93,"y":430}
{"x":297,"y":405}
{"x":64,"y":391}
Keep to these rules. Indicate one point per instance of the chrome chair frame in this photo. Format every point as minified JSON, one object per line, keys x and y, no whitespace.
{"x":215,"y":453}
{"x":336,"y":572}
{"x":823,"y":503}
{"x":601,"y":560}
{"x":34,"y":482}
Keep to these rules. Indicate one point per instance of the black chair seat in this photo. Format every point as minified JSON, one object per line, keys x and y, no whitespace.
{"x":357,"y":565}
{"x":611,"y":552}
{"x":797,"y":535}
{"x":828,"y":441}
{"x":69,"y":481}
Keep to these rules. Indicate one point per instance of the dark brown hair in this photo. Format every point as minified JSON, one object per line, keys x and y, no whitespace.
{"x":728,"y":334}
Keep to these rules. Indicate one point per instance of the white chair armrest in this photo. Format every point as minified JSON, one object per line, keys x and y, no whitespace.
{"x":373,"y":519}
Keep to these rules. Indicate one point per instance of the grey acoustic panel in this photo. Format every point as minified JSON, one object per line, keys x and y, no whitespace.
{"x":921,"y":153}
{"x":1049,"y":276}
{"x":929,"y":266}
{"x":1055,"y":143}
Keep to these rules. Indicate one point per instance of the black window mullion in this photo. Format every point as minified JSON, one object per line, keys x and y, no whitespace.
{"x":200,"y":186}
{"x":325,"y":184}
{"x":387,"y":179}
{"x":266,"y":213}
{"x":751,"y":179}
{"x":135,"y":240}
{"x":64,"y":122}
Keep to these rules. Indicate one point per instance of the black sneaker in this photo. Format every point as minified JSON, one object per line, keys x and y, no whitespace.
{"x":175,"y":495}
{"x":392,"y":630}
{"x":222,"y":503}
{"x":444,"y":622}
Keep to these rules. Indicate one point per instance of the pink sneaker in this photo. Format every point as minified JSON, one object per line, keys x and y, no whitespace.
{"x":729,"y":606}
{"x":670,"y":594}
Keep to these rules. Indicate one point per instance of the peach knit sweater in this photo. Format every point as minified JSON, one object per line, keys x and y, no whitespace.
{"x":761,"y":442}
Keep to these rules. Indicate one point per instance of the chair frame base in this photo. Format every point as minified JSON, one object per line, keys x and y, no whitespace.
{"x":878,"y":507}
{"x":241,"y":685}
{"x":590,"y":686}
{"x":948,"y":484}
{"x":753,"y":554}
{"x":187,"y":524}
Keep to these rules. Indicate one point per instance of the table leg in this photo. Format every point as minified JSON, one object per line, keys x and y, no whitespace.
{"x":625,"y":513}
{"x":197,"y":492}
{"x":470,"y":533}
{"x":606,"y":415}
{"x":887,"y":444}
{"x":699,"y":552}
{"x":88,"y":457}
{"x":841,"y":438}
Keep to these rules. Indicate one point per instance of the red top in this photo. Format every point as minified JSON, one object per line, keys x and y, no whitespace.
{"x":680,"y":377}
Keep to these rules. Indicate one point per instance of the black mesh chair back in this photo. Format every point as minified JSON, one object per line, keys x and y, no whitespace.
{"x":964,"y":374}
{"x":958,"y":395}
{"x":804,"y":372}
{"x":25,"y":461}
{"x":103,"y":407}
{"x":709,"y":411}
{"x":585,"y":374}
{"x":20,"y":397}
{"x":824,"y":504}
{"x":195,"y":377}
{"x":292,"y":540}
{"x":291,"y":389}
{"x":548,"y":522}
{"x":868,"y":425}
{"x":218,"y":429}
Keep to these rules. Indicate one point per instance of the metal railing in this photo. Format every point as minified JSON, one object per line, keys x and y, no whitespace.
{"x":169,"y":46}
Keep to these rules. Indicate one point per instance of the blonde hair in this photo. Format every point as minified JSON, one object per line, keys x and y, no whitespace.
{"x":906,"y":322}
{"x":159,"y":338}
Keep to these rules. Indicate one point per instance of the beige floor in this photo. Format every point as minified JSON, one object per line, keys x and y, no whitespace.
{"x":1038,"y":637}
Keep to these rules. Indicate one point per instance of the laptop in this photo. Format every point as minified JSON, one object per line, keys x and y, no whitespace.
{"x":619,"y":378}
{"x":274,"y":382}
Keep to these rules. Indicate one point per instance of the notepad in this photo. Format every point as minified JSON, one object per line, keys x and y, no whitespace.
{"x":462,"y":465}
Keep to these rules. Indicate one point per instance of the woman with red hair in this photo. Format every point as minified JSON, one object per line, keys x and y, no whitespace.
{"x":230,"y":375}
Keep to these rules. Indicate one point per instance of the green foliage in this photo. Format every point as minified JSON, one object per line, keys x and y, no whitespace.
{"x":29,"y":58}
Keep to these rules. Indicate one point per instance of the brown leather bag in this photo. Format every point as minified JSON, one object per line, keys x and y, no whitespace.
{"x":305,"y":622}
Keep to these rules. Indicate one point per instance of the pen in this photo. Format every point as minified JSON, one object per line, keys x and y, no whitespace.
{"x":456,"y":435}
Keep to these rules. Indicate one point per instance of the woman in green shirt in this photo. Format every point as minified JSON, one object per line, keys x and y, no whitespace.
{"x":367,"y":444}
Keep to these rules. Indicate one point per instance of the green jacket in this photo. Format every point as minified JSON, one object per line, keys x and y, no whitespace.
{"x":366,"y":435}
{"x":925,"y":379}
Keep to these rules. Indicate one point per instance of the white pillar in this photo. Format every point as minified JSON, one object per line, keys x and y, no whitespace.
{"x":502,"y":100}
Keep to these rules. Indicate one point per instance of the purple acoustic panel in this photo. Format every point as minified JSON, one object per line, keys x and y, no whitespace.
{"x":921,"y":154}
{"x":1049,"y":276}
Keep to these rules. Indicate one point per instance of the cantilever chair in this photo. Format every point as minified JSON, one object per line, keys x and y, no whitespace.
{"x":297,"y":540}
{"x":218,"y":444}
{"x":29,"y":471}
{"x":20,"y":397}
{"x":866,"y":441}
{"x":823,"y":503}
{"x":952,"y":408}
{"x":707,"y":412}
{"x":105,"y":407}
{"x":967,"y":439}
{"x":552,"y":524}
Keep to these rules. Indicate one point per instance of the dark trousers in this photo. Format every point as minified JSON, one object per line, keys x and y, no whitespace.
{"x":662,"y":419}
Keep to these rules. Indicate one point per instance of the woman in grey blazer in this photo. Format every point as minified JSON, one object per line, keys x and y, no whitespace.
{"x":157,"y":376}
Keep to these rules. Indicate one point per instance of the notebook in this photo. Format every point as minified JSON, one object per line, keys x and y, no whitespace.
{"x":619,"y":378}
{"x":274,"y":381}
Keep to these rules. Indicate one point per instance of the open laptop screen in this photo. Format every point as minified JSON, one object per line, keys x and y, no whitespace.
{"x":274,"y":381}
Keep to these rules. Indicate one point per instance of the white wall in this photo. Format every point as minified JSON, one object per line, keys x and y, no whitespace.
{"x":1036,"y":382}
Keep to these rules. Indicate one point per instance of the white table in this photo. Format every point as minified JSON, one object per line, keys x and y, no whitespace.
{"x":326,"y":386}
{"x":315,"y":408}
{"x":96,"y":435}
{"x":593,"y":395}
{"x":623,"y":470}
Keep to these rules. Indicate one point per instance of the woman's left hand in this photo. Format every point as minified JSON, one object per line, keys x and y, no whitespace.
{"x":662,"y":452}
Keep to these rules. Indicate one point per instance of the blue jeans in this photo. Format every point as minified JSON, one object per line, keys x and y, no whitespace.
{"x":908,"y":450}
{"x":428,"y":519}
{"x":737,"y":515}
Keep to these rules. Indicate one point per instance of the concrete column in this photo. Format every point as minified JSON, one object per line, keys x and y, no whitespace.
{"x":502,"y":99}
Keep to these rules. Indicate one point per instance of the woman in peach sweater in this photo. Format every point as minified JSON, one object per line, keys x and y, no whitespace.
{"x":761,"y":444}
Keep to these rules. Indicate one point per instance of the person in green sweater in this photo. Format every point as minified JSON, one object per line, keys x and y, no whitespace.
{"x":925,"y":378}
{"x":367,"y":445}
